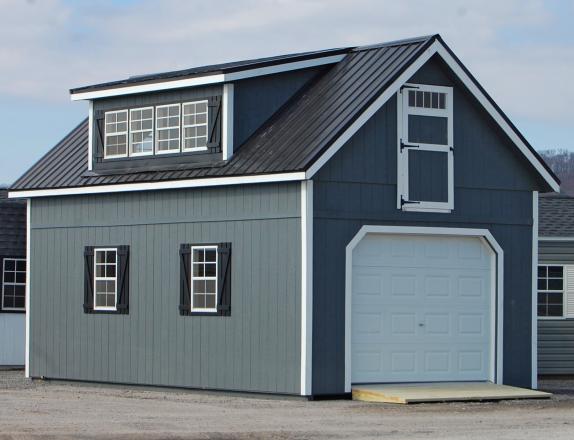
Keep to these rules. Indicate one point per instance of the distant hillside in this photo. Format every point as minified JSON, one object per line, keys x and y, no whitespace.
{"x":562,"y":163}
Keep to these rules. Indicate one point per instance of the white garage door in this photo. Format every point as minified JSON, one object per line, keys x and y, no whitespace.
{"x":421,"y":309}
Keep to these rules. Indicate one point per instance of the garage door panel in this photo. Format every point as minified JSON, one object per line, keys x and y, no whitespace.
{"x":421,"y":309}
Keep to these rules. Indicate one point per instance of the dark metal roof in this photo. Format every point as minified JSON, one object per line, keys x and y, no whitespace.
{"x":290,"y":141}
{"x":12,"y":226}
{"x":556,"y":216}
{"x":213,"y":69}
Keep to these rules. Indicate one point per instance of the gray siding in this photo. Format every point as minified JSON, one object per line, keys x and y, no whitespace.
{"x":493,"y":190}
{"x":257,"y":348}
{"x":256,"y":99}
{"x":556,"y":336}
{"x":555,"y":346}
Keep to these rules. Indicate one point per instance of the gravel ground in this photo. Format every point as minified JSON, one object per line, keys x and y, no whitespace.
{"x":36,"y":409}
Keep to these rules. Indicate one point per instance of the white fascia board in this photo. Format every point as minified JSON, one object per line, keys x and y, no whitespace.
{"x":555,"y":238}
{"x":205,"y":80}
{"x":435,"y":48}
{"x":150,"y":186}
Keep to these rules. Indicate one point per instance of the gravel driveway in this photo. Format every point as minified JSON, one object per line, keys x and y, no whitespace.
{"x":78,"y":411}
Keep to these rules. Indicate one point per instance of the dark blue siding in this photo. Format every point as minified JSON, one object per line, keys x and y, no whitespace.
{"x":256,"y":99}
{"x":493,"y":190}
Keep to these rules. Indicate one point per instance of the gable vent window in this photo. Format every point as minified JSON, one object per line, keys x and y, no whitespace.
{"x":195,"y":126}
{"x":425,"y":149}
{"x":116,"y":142}
{"x":141,"y":131}
{"x":167,"y":128}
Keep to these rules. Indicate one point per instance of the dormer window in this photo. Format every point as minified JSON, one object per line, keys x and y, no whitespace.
{"x":167,"y":128}
{"x":116,"y":141}
{"x":195,"y":126}
{"x":141,"y":131}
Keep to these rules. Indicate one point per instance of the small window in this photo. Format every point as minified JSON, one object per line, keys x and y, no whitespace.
{"x":167,"y":128}
{"x":105,"y":278}
{"x":195,"y":126}
{"x":116,"y":129}
{"x":14,"y":284}
{"x":550,"y":291}
{"x":141,"y":131}
{"x":204,"y":278}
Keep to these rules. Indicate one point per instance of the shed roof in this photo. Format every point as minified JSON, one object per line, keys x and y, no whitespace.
{"x":556,"y":216}
{"x":290,"y":141}
{"x":12,"y":226}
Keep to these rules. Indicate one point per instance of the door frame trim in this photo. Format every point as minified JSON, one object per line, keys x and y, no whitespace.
{"x":497,"y":285}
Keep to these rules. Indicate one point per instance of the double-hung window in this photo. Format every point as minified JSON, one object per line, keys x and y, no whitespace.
{"x":550,"y":291}
{"x":425,"y":148}
{"x":14,"y":284}
{"x":141,"y":131}
{"x":204,"y":278}
{"x":167,"y":128}
{"x":194,"y":126}
{"x":116,"y":139}
{"x":105,"y":278}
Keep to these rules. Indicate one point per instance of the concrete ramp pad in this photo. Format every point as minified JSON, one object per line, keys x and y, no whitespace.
{"x":441,"y":392}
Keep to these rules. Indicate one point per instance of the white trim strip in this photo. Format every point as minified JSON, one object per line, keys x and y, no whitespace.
{"x":205,"y":80}
{"x":435,"y":48}
{"x":90,"y":133}
{"x":417,"y":230}
{"x":555,"y":238}
{"x":172,"y":184}
{"x":227,"y":121}
{"x":534,"y":324}
{"x":28,"y":282}
{"x":306,"y":287}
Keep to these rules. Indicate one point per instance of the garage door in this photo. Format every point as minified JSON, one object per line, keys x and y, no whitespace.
{"x":421,"y":309}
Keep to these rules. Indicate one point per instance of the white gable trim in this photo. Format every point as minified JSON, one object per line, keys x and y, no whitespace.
{"x":206,"y":80}
{"x":148,"y":186}
{"x":435,"y":48}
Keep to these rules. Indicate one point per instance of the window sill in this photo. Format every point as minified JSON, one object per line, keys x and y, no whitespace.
{"x":21,"y":312}
{"x":553,"y":318}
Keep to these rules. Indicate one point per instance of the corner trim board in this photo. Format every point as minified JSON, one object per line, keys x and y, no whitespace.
{"x":90,"y":134}
{"x":28,"y":283}
{"x":534,"y":349}
{"x":171,"y":184}
{"x":497,"y":287}
{"x":206,"y":80}
{"x":227,"y":121}
{"x":306,"y":287}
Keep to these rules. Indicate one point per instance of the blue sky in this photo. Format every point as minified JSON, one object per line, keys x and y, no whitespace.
{"x":522,"y":51}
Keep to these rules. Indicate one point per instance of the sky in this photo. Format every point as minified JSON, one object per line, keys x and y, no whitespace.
{"x":521,"y":51}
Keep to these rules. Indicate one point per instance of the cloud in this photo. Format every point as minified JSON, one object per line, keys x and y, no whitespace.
{"x":49,"y":46}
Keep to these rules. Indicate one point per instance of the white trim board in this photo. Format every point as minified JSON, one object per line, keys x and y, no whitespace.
{"x":28,"y":283}
{"x":227,"y":121}
{"x":306,"y":287}
{"x":497,"y":287}
{"x":171,"y":184}
{"x":435,"y":48}
{"x":534,"y":324}
{"x":205,"y":80}
{"x":555,"y":238}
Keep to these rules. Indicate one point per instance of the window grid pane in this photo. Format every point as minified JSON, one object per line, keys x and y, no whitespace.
{"x":141,"y":131}
{"x":14,"y":284}
{"x":419,"y":99}
{"x":105,"y":279}
{"x":550,"y":291}
{"x":116,"y":134}
{"x":195,"y":126}
{"x":204,"y":278}
{"x":167,"y":128}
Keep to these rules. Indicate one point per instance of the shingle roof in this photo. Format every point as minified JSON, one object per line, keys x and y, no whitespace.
{"x":12,"y":226}
{"x":290,"y":141}
{"x":556,"y":216}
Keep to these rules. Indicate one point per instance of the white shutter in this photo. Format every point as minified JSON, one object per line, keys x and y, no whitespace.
{"x":569,"y":291}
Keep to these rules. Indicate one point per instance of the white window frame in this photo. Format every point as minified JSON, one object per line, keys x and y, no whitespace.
{"x":204,"y":278}
{"x":403,"y":111}
{"x":4,"y":283}
{"x":184,"y":126}
{"x":119,"y":133}
{"x":563,"y":291}
{"x":130,"y":142}
{"x":115,"y":279}
{"x":158,"y":129}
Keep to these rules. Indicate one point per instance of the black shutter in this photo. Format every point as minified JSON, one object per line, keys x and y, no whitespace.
{"x":98,"y":136}
{"x":214,"y":121}
{"x":88,"y":279}
{"x":185,"y":279}
{"x":123,"y":275}
{"x":224,"y":279}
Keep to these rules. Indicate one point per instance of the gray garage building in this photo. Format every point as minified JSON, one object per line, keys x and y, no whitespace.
{"x":293,"y":224}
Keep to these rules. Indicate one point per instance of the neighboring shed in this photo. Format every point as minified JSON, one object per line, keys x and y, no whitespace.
{"x":556,"y":285}
{"x":13,"y":279}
